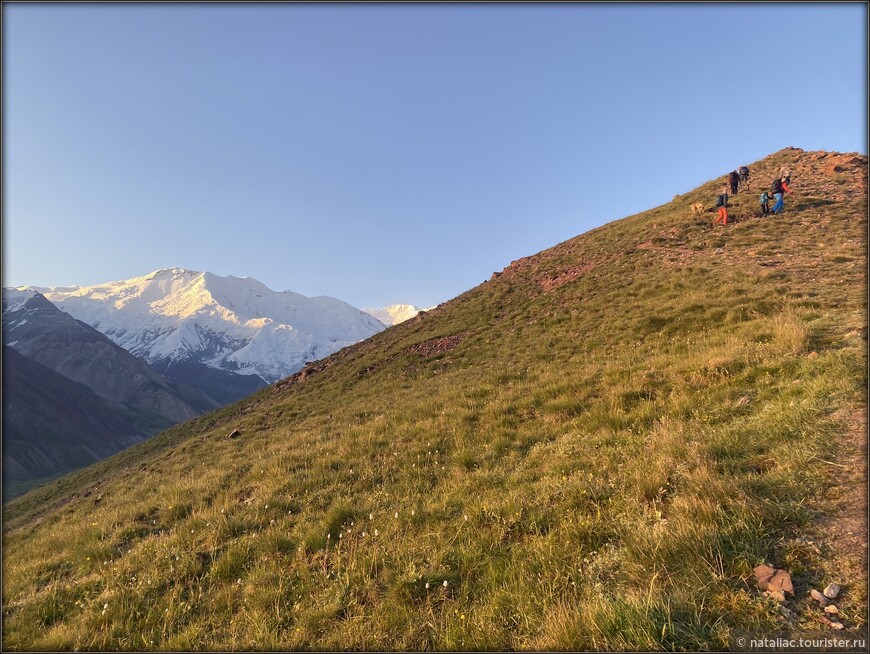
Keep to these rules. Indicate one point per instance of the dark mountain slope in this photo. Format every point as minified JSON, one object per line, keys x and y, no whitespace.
{"x":592,"y":450}
{"x":44,"y":333}
{"x":110,"y":399}
{"x":52,"y":425}
{"x":223,"y":386}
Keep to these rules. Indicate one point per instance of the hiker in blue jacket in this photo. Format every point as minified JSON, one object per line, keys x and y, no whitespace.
{"x":778,"y":207}
{"x":765,"y":207}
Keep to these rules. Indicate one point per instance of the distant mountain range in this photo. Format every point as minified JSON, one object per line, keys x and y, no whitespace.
{"x":227,"y":336}
{"x":89,"y":370}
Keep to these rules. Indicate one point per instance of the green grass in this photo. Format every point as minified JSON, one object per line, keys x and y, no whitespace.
{"x":598,"y":463}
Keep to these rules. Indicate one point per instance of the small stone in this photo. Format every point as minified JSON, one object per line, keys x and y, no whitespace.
{"x":816,"y":595}
{"x":836,"y":625}
{"x":831,"y":591}
{"x":832,"y":610}
{"x":235,"y":433}
{"x":778,"y":595}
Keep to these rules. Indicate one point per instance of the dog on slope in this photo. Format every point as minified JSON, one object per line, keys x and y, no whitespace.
{"x":698,"y":208}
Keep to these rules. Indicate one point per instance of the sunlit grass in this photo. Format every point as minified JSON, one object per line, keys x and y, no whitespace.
{"x":596,"y":466}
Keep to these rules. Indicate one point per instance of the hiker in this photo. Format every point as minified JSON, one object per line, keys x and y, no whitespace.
{"x":765,"y":207}
{"x":722,"y":204}
{"x":778,"y":207}
{"x":743,"y":176}
{"x":734,"y":179}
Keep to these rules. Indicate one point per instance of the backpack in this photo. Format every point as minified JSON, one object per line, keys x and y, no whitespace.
{"x":776,"y":187}
{"x":720,"y":201}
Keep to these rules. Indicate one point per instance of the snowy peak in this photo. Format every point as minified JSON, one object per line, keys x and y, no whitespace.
{"x":394,"y":314}
{"x":230,"y":323}
{"x":14,"y":299}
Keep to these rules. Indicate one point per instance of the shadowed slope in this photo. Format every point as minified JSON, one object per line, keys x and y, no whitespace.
{"x":52,"y":424}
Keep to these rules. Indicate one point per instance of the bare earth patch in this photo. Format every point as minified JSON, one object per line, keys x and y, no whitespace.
{"x":437,"y":345}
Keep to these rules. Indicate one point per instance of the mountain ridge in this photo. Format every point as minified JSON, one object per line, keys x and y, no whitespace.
{"x":122,"y":399}
{"x":237,"y":325}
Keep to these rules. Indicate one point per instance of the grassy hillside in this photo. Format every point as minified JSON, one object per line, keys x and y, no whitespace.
{"x":592,"y":450}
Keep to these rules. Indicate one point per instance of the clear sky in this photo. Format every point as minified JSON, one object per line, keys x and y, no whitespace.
{"x":388,"y":154}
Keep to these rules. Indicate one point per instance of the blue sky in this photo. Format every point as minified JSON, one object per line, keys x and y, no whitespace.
{"x":388,"y":154}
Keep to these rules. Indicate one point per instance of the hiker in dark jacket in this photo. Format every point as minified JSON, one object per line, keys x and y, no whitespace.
{"x":734,"y":178}
{"x":743,"y":175}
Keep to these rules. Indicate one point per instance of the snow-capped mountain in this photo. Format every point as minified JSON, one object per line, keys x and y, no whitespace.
{"x":394,"y":314}
{"x":176,"y":317}
{"x":71,"y":396}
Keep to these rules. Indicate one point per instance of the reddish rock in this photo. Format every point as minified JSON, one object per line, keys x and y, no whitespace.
{"x":763,"y":574}
{"x":781,"y":581}
{"x":773,"y":580}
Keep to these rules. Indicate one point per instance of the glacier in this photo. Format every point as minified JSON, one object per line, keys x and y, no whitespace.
{"x":230,"y":323}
